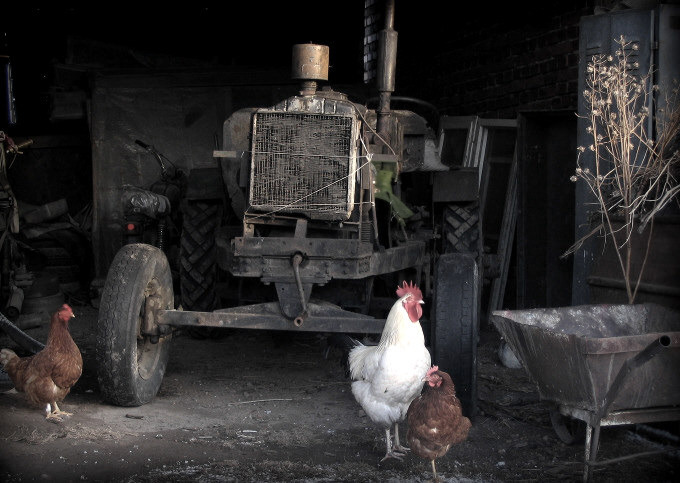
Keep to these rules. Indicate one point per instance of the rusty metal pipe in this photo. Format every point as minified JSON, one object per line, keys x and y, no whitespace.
{"x":300,"y":319}
{"x":18,"y":147}
{"x":15,"y":302}
{"x":389,"y":14}
{"x":387,"y":66}
{"x":19,"y":336}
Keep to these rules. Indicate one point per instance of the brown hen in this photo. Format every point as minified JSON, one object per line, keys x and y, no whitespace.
{"x":435,"y":418}
{"x":47,"y":377}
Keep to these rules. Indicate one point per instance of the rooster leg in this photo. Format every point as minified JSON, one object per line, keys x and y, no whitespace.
{"x":59,"y":412}
{"x":390,"y":453}
{"x":397,"y":445}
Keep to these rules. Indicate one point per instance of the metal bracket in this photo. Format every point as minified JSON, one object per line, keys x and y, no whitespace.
{"x":149,"y":324}
{"x":297,"y":260}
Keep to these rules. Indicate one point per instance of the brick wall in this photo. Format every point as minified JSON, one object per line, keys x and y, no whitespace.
{"x":489,"y":61}
{"x":373,"y":23}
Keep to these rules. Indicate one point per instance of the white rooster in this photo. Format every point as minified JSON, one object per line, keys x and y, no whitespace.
{"x":387,"y":377}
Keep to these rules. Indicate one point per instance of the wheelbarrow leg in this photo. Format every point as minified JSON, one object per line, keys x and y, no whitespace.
{"x":593,"y":429}
{"x":592,"y":442}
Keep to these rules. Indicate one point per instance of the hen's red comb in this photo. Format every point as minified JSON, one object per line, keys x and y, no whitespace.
{"x":411,"y":288}
{"x":65,"y":309}
{"x":432,"y":370}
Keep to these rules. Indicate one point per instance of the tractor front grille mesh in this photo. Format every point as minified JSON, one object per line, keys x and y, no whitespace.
{"x":301,"y":163}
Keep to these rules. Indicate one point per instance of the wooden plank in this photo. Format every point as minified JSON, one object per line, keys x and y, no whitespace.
{"x":506,"y":239}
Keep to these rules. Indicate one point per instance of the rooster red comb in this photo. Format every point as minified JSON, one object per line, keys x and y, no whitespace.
{"x":409,"y":289}
{"x":66,"y":310}
{"x":432,"y":370}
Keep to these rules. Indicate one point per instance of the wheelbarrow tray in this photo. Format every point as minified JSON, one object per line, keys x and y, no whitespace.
{"x":574,"y":354}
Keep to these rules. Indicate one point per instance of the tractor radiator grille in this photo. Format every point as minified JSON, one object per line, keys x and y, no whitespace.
{"x":303,"y":163}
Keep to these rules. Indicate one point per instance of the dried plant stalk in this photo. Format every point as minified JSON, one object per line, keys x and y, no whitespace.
{"x":633,"y":176}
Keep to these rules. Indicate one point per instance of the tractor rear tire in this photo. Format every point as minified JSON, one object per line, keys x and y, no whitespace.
{"x":455,"y":323}
{"x":198,"y":263}
{"x":461,"y":229}
{"x":197,"y":256}
{"x":130,"y":364}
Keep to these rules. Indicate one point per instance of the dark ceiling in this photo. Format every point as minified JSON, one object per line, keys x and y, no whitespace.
{"x":250,"y":34}
{"x":227,"y":34}
{"x":259,"y":34}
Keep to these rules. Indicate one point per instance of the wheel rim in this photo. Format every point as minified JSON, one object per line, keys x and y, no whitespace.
{"x":148,"y":354}
{"x":569,"y":430}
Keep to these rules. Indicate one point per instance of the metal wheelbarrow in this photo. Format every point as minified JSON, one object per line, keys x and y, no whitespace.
{"x":604,"y":365}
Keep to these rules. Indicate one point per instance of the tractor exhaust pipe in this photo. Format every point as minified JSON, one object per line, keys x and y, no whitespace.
{"x":387,"y":65}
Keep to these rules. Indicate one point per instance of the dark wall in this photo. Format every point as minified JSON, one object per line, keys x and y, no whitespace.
{"x":490,"y":60}
{"x":545,"y":227}
{"x":229,"y":34}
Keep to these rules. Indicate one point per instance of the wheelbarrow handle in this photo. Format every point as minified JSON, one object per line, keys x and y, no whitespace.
{"x":629,"y":366}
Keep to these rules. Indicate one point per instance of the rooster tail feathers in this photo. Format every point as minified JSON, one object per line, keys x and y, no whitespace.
{"x":345,"y":344}
{"x":357,"y":360}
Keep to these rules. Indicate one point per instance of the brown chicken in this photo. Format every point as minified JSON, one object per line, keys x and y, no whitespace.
{"x":435,"y":418}
{"x":47,"y":377}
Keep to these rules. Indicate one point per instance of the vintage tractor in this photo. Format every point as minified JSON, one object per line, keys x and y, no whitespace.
{"x":316,"y":209}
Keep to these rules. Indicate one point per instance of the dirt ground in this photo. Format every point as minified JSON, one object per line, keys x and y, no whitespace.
{"x":265,"y":406}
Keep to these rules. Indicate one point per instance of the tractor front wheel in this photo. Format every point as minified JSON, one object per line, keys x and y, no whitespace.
{"x":132,"y":358}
